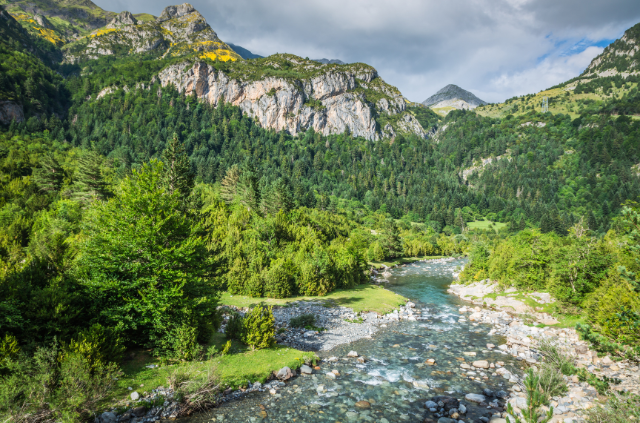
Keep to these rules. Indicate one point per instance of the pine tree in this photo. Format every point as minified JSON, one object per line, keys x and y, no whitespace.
{"x":49,"y":176}
{"x":546,"y":224}
{"x":229,"y":187}
{"x":89,"y":184}
{"x":591,"y":221}
{"x":178,"y":176}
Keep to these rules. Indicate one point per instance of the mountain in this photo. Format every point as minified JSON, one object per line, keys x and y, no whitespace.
{"x":622,"y":57}
{"x":243,"y":52}
{"x":329,"y":61}
{"x":178,"y":31}
{"x":58,"y":21}
{"x":453,"y":97}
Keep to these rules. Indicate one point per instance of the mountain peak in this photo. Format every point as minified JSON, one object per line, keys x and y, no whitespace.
{"x":171,"y":12}
{"x":454,"y":96}
{"x":123,"y":18}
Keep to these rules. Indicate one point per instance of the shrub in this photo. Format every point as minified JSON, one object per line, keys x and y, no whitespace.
{"x":619,"y":408}
{"x":97,"y":344}
{"x":279,"y":282}
{"x":258,"y":328}
{"x":54,"y":387}
{"x":233,"y":330}
{"x":9,"y":349}
{"x":302,"y":321}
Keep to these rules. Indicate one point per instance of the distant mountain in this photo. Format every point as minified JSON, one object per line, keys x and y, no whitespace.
{"x":243,"y":52}
{"x":454,"y":97}
{"x":620,"y":57}
{"x":329,"y":61}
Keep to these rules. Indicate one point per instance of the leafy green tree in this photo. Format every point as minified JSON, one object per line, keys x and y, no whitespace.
{"x":144,"y":263}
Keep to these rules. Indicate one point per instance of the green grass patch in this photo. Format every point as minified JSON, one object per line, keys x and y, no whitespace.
{"x":234,"y":369}
{"x":361,"y":298}
{"x":486,"y":224}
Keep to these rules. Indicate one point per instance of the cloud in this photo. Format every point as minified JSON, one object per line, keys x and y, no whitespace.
{"x":494,"y":48}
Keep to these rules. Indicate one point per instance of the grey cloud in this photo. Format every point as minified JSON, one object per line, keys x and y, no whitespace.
{"x":491,"y":47}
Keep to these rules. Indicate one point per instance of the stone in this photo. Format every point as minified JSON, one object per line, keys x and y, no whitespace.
{"x":462,"y":409}
{"x":470,"y":353}
{"x":581,"y":349}
{"x":475,"y":316}
{"x":135,"y":396}
{"x":614,"y":368}
{"x":481,"y":364}
{"x":335,"y":372}
{"x":352,"y":354}
{"x":490,"y":346}
{"x":607,"y":361}
{"x":497,"y":420}
{"x":285,"y":373}
{"x":363,"y":404}
{"x":139,"y":411}
{"x":304,"y":369}
{"x":446,"y":420}
{"x":107,"y":417}
{"x":430,"y":362}
{"x":331,"y":375}
{"x":430,"y":404}
{"x":475,"y":398}
{"x":361,"y":360}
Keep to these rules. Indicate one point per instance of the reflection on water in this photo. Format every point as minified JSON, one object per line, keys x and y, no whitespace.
{"x":395,"y":379}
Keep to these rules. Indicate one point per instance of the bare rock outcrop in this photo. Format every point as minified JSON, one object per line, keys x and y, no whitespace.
{"x":10,"y":111}
{"x":329,"y":102}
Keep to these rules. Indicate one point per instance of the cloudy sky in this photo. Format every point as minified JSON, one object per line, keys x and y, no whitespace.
{"x":493,"y":48}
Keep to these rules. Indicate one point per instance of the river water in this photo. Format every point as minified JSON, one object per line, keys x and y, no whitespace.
{"x":395,"y":379}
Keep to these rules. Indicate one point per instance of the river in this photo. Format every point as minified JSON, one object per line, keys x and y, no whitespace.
{"x":395,"y":380}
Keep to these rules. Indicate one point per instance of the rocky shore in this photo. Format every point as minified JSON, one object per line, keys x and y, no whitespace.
{"x":522,"y":342}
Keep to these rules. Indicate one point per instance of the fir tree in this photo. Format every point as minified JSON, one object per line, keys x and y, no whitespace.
{"x":177,"y":169}
{"x":49,"y":176}
{"x":89,"y":184}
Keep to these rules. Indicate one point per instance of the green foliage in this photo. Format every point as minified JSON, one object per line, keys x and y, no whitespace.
{"x":604,"y":345}
{"x":54,"y":387}
{"x":258,"y":328}
{"x":302,"y":321}
{"x":98,"y":346}
{"x":536,"y":398}
{"x":619,"y":408}
{"x":233,"y":330}
{"x":145,"y":265}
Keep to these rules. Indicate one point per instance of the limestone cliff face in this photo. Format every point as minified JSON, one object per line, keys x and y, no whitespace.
{"x":329,"y":102}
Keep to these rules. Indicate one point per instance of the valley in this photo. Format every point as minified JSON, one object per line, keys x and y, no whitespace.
{"x":186,"y":225}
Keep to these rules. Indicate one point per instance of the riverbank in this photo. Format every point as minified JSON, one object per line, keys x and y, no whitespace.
{"x":509,"y":314}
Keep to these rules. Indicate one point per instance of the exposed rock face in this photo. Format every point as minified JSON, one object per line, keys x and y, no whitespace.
{"x":9,"y":111}
{"x":450,"y":94}
{"x":123,"y":18}
{"x":43,"y":21}
{"x":277,"y":103}
{"x":180,"y":30}
{"x":620,"y":57}
{"x":283,"y":104}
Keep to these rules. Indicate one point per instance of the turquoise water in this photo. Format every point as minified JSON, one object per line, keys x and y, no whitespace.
{"x":395,"y":379}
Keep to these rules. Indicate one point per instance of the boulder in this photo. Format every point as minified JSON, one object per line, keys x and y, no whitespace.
{"x":139,"y":411}
{"x":352,"y":354}
{"x":107,"y":417}
{"x":285,"y":373}
{"x":304,"y":369}
{"x":477,"y":398}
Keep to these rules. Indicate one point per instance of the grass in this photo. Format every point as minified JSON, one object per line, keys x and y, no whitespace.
{"x":361,"y":298}
{"x":565,"y":320}
{"x":486,"y":224}
{"x":234,"y":370}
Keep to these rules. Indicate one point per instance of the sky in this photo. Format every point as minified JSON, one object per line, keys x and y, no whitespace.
{"x":496,"y":49}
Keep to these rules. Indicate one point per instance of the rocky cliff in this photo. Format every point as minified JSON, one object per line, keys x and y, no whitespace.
{"x":620,"y":57}
{"x":179,"y":31}
{"x":300,"y":94}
